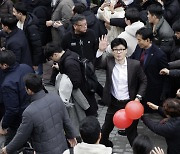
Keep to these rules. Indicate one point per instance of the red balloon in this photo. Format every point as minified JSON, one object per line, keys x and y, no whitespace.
{"x":121,"y":120}
{"x":134,"y":109}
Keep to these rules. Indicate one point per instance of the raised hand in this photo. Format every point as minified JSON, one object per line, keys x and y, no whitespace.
{"x":157,"y":150}
{"x":103,"y":43}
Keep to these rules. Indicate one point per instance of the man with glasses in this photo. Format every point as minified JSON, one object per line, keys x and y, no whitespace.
{"x":83,"y":41}
{"x":125,"y":81}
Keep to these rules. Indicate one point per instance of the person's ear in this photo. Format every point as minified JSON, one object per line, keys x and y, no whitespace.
{"x":4,"y":66}
{"x":29,"y":91}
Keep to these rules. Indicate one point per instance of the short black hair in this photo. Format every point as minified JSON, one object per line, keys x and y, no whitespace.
{"x":176,"y":26}
{"x":52,"y":48}
{"x":118,"y":41}
{"x":171,"y":107}
{"x":21,"y":7}
{"x":7,"y":57}
{"x":142,"y":145}
{"x":10,"y":21}
{"x":156,"y":9}
{"x":76,"y":18}
{"x":33,"y":82}
{"x":146,"y":33}
{"x":79,"y":8}
{"x":132,"y":14}
{"x":90,"y":129}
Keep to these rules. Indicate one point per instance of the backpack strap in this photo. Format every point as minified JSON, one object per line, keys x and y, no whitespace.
{"x":71,"y":150}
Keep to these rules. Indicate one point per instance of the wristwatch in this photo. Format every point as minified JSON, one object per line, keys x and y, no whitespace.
{"x":139,"y":97}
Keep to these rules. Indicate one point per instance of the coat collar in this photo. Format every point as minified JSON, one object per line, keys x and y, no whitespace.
{"x":13,"y":32}
{"x":38,"y":95}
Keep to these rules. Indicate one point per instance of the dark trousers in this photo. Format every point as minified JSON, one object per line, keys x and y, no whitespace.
{"x":108,"y":124}
{"x":99,"y":90}
{"x":92,"y":110}
{"x":9,"y":136}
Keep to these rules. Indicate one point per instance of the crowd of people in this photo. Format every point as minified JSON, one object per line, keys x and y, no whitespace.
{"x":137,"y":42}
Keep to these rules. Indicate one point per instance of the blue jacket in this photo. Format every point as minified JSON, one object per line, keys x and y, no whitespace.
{"x":14,"y":95}
{"x":16,"y":41}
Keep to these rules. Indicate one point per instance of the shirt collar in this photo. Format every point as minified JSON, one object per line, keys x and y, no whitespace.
{"x":125,"y":63}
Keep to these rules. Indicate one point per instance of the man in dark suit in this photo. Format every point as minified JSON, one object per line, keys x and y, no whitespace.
{"x":152,"y":60}
{"x":125,"y":81}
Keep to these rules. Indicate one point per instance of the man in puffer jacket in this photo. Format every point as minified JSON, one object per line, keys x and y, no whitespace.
{"x":29,"y":24}
{"x":90,"y":131}
{"x":132,"y":17}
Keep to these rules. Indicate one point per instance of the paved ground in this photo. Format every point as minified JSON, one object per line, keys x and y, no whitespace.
{"x":121,"y":144}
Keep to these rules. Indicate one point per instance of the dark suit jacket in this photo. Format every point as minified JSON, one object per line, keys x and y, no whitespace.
{"x":136,"y":77}
{"x":156,"y":60}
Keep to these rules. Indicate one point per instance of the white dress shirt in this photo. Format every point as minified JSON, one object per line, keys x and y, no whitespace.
{"x":119,"y":87}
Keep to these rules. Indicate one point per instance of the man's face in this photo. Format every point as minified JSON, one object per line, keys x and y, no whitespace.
{"x":5,"y":28}
{"x":177,"y":34}
{"x":80,"y":27}
{"x":119,"y":52}
{"x":144,"y":44}
{"x":151,"y":18}
{"x":55,"y":57}
{"x":17,"y":14}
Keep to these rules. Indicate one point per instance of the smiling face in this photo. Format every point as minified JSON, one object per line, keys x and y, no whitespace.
{"x":119,"y":52}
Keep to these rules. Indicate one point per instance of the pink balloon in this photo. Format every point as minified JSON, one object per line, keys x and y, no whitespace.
{"x":134,"y":109}
{"x":121,"y":120}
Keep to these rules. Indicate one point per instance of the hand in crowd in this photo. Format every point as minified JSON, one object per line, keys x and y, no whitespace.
{"x":72,"y":142}
{"x":157,"y":150}
{"x":164,"y":71}
{"x":105,"y":4}
{"x":152,"y":106}
{"x":143,"y":1}
{"x":178,"y":93}
{"x":35,"y":68}
{"x":49,"y":23}
{"x":3,"y":150}
{"x":57,"y":24}
{"x":161,"y":2}
{"x":103,"y":43}
{"x":3,"y":131}
{"x":55,"y":65}
{"x":111,"y":8}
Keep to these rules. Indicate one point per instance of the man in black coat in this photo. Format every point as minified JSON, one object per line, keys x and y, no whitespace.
{"x":29,"y":24}
{"x":152,"y":60}
{"x":13,"y":92}
{"x":125,"y":81}
{"x":16,"y":40}
{"x":67,"y":62}
{"x":82,"y":41}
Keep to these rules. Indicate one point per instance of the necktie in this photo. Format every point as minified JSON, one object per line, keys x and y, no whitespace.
{"x":142,"y":57}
